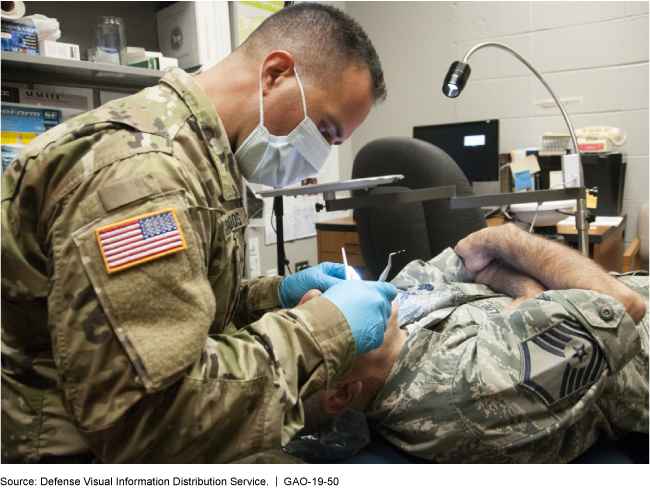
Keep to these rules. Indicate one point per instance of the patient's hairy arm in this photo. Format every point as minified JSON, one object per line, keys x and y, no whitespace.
{"x":505,"y":279}
{"x":551,"y":263}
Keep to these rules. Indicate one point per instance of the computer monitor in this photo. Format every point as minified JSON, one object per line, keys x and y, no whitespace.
{"x":474,"y":146}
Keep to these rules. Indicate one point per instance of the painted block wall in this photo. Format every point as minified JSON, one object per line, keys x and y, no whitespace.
{"x":594,"y":50}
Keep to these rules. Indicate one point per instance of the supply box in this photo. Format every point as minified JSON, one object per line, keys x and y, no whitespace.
{"x":19,"y":38}
{"x":55,"y":49}
{"x":197,"y":34}
{"x":19,"y":119}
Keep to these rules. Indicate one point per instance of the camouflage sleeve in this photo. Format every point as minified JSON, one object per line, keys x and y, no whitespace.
{"x":257,"y":296}
{"x":604,"y":320}
{"x":520,"y":387}
{"x":444,"y":267}
{"x":139,"y":374}
{"x":450,"y":265}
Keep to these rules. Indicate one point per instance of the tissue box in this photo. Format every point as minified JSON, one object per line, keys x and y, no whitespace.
{"x":19,"y":38}
{"x":55,"y":49}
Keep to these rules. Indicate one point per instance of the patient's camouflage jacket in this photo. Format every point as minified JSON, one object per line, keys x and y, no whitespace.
{"x":126,"y":326}
{"x":539,"y":384}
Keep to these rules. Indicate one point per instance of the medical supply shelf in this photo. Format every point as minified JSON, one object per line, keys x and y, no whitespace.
{"x":24,"y":68}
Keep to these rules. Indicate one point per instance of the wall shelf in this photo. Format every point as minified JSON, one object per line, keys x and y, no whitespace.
{"x":25,"y":68}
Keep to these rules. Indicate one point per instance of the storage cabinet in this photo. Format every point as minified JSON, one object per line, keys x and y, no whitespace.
{"x":335,"y":234}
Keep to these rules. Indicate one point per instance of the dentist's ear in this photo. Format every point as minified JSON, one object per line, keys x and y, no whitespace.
{"x":338,"y":399}
{"x":276,"y":66}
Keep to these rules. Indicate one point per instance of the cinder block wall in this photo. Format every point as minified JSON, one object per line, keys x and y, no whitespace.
{"x":597,"y":51}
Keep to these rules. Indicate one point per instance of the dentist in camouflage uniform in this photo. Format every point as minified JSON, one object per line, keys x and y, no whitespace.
{"x":128,"y":333}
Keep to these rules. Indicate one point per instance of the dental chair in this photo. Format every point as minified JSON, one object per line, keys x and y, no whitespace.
{"x":421,"y":229}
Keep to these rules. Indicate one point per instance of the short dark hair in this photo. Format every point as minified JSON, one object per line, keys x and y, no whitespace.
{"x":323,"y":41}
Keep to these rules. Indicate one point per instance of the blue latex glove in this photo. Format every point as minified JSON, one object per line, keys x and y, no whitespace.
{"x":322,"y":277}
{"x":366,"y":307}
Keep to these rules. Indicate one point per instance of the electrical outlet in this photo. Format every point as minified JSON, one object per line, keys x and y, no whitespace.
{"x":271,"y":272}
{"x":302,"y":265}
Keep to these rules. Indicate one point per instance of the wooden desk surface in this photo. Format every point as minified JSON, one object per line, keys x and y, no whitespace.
{"x":605,"y":242}
{"x":340,"y":224}
{"x":597,"y":234}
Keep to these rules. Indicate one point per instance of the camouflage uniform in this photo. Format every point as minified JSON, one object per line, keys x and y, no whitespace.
{"x":158,"y":362}
{"x":539,"y":384}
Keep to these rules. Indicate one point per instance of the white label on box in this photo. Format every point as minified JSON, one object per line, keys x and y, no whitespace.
{"x":54,"y":49}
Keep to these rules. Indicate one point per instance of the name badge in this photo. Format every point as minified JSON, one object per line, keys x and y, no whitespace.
{"x":235,"y":220}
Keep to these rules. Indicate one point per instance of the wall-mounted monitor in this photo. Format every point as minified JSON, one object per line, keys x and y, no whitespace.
{"x":474,"y":146}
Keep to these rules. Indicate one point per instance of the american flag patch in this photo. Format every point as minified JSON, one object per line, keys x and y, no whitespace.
{"x":140,"y":239}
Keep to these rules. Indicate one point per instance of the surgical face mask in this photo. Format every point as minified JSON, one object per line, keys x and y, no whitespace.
{"x":278,"y":161}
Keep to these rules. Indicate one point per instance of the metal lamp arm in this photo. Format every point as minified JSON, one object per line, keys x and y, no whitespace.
{"x":538,"y":75}
{"x":581,"y":215}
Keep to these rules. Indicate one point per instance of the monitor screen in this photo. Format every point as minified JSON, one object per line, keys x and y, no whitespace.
{"x":474,"y":146}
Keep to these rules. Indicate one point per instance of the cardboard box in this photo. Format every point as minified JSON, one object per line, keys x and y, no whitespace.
{"x":10,"y":94}
{"x":152,"y":60}
{"x":197,"y":34}
{"x":44,"y":97}
{"x":9,"y":153}
{"x":54,"y":49}
{"x":20,"y":119}
{"x":19,"y":38}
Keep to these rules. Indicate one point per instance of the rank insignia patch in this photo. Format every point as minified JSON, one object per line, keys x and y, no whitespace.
{"x":140,"y":239}
{"x":559,"y":361}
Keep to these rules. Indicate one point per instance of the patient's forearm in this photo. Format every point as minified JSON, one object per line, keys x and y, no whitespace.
{"x":559,"y":267}
{"x":505,"y":279}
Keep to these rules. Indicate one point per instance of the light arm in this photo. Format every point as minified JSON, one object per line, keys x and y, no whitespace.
{"x":456,"y":79}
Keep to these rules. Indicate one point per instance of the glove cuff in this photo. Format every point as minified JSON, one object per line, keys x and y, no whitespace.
{"x":285,"y":299}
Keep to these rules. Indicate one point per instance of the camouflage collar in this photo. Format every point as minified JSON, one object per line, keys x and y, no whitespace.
{"x":214,"y":134}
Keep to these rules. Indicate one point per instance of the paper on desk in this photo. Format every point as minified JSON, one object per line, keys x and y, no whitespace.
{"x":600,"y":221}
{"x":529,"y":163}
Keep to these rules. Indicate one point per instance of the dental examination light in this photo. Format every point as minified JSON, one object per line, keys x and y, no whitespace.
{"x":453,"y":85}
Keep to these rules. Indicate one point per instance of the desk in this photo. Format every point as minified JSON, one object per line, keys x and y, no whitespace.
{"x":606,"y":245}
{"x":334,"y":234}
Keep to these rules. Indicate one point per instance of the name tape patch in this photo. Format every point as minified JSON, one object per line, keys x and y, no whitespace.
{"x":235,"y":219}
{"x":141,"y":239}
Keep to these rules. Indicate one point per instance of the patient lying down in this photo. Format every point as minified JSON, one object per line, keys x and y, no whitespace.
{"x":520,"y":350}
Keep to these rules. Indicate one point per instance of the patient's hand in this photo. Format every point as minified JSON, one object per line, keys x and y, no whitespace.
{"x":475,"y":251}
